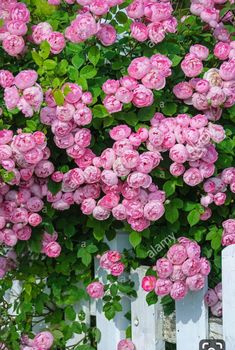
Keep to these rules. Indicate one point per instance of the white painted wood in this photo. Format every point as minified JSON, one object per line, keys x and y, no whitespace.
{"x":12,"y":295}
{"x":191,"y":320}
{"x":147,"y":321}
{"x":112,"y":331}
{"x":228,"y":282}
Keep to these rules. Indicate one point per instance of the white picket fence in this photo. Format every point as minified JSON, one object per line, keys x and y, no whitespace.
{"x":150,"y":328}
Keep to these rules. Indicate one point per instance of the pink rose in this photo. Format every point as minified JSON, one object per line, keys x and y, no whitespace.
{"x":34,"y":219}
{"x":164,"y":268}
{"x":101,"y":213}
{"x":40,"y":32}
{"x":136,"y":9}
{"x":149,"y":283}
{"x":112,"y":104}
{"x":107,"y":34}
{"x":191,"y":66}
{"x":219,"y":198}
{"x":211,"y":298}
{"x":195,"y":282}
{"x":227,"y":70}
{"x":192,"y":177}
{"x":153,"y":210}
{"x":110,"y":86}
{"x":229,"y":226}
{"x":139,"y":31}
{"x":178,"y":153}
{"x":156,"y":32}
{"x":13,"y":44}
{"x":158,"y":12}
{"x":200,"y":101}
{"x":142,"y":97}
{"x":74,"y":93}
{"x":177,"y":274}
{"x":202,"y":86}
{"x":11,"y":97}
{"x":128,"y":82}
{"x":177,"y":254}
{"x":6,"y":78}
{"x":52,"y":249}
{"x":87,"y":97}
{"x":219,"y":290}
{"x":183,"y":90}
{"x":205,"y":267}
{"x":216,"y":96}
{"x":139,"y":67}
{"x":154,"y":80}
{"x":179,"y":290}
{"x":120,"y":132}
{"x":125,"y":344}
{"x":124,"y":95}
{"x":177,"y":169}
{"x":216,"y":309}
{"x":95,"y":290}
{"x":162,"y":64}
{"x":26,"y":79}
{"x":191,"y":267}
{"x":200,"y":51}
{"x":163,"y":287}
{"x":117,"y":269}
{"x":222,"y":50}
{"x":43,"y":340}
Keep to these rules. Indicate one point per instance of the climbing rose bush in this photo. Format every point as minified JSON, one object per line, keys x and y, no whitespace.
{"x":117,"y":118}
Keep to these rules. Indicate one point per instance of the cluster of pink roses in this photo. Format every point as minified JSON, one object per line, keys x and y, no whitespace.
{"x":87,"y":24}
{"x":223,"y":51}
{"x":126,"y":344}
{"x":50,"y":247}
{"x":209,"y":12}
{"x":15,"y":16}
{"x":187,"y":140}
{"x":181,"y":271}
{"x":7,"y":263}
{"x":158,"y":16}
{"x":213,"y":299}
{"x":228,"y":232}
{"x":21,"y":91}
{"x":215,"y":187}
{"x":212,"y":92}
{"x":110,"y":261}
{"x":26,"y":156}
{"x":44,"y":32}
{"x":42,"y":341}
{"x":152,"y":73}
{"x":134,"y":199}
{"x":67,"y":121}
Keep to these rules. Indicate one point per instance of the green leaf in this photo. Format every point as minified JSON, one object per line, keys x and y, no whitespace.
{"x":49,"y":64}
{"x":169,"y":187}
{"x":85,"y":255}
{"x":70,"y":313}
{"x":193,"y":217}
{"x":121,"y":17}
{"x":78,"y":61}
{"x":37,"y":58}
{"x":88,"y":72}
{"x":54,"y":187}
{"x":169,"y":108}
{"x":57,"y":334}
{"x":99,"y":111}
{"x":44,"y":50}
{"x":59,"y":97}
{"x":91,"y":248}
{"x":171,"y":213}
{"x":135,"y":238}
{"x":151,"y":298}
{"x":94,"y":55}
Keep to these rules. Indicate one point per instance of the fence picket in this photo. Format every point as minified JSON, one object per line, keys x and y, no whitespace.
{"x":147,"y":321}
{"x":191,"y":320}
{"x":114,"y":330}
{"x":228,"y":282}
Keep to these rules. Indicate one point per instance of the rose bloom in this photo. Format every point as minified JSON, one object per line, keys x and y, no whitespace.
{"x":40,"y":32}
{"x":191,"y":66}
{"x":117,"y":269}
{"x":119,"y":212}
{"x":200,"y":51}
{"x":202,"y":86}
{"x":200,"y":101}
{"x":191,"y":267}
{"x":11,"y":97}
{"x":110,"y":86}
{"x":216,"y":96}
{"x":192,"y":177}
{"x":164,"y":268}
{"x":178,"y":153}
{"x":107,"y":34}
{"x":6,"y":78}
{"x":179,"y":290}
{"x":177,"y":169}
{"x":139,"y":31}
{"x":74,"y":93}
{"x":95,"y":290}
{"x":112,"y":104}
{"x":43,"y":340}
{"x":177,"y":254}
{"x":227,"y":70}
{"x":195,"y":282}
{"x":139,"y":67}
{"x":154,"y":80}
{"x":183,"y":90}
{"x":211,"y":298}
{"x":177,"y":274}
{"x":156,"y":32}
{"x":125,"y":344}
{"x":153,"y":210}
{"x":229,"y":226}
{"x":13,"y":44}
{"x":124,"y":95}
{"x":136,"y":9}
{"x":163,"y":287}
{"x":149,"y":283}
{"x":218,"y":290}
{"x":142,"y":97}
{"x":222,"y":50}
{"x":216,"y":309}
